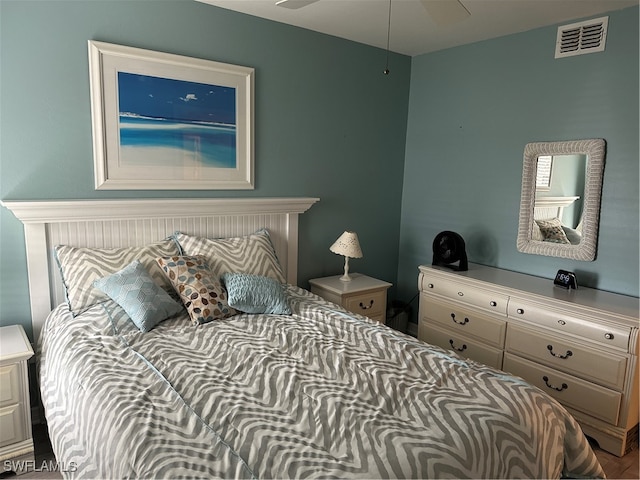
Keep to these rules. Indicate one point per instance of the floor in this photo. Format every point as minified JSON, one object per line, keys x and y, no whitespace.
{"x":626,"y":467}
{"x":616,"y":467}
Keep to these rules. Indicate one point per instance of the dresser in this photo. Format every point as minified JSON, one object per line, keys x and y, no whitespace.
{"x":16,"y":438}
{"x":364,"y":295}
{"x":579,"y":346}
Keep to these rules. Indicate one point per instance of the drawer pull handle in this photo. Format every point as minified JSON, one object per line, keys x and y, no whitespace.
{"x":608,"y":336}
{"x":453,"y":317}
{"x":493,"y":304}
{"x":546,"y":382}
{"x":566,"y":355}
{"x":520,"y":311}
{"x":364,"y":307}
{"x":460,"y":294}
{"x":461,"y":349}
{"x":430,"y":285}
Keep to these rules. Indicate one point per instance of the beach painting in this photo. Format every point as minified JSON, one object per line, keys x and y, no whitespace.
{"x":163,"y":121}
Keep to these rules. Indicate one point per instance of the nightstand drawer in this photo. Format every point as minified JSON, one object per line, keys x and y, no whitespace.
{"x":362,"y":295}
{"x":16,"y":440}
{"x":475,"y":296}
{"x":12,"y":425}
{"x":463,"y":346}
{"x":10,"y":384}
{"x":368,"y":304}
{"x":464,"y":321}
{"x":605,"y":368}
{"x":594,"y":400}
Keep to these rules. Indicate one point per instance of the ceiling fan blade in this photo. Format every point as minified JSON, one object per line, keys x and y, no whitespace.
{"x":446,"y":12}
{"x":294,"y":4}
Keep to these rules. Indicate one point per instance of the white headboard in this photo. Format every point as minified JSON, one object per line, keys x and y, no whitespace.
{"x":551,"y":207}
{"x":124,"y":223}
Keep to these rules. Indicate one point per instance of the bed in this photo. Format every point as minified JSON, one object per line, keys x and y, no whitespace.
{"x":305,"y":389}
{"x":548,"y":225}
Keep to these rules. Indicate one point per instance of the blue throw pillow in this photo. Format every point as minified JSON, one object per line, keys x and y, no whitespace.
{"x":256,"y":294}
{"x":136,"y":292}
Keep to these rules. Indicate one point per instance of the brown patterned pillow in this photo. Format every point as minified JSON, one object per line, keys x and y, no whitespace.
{"x":552,"y":230}
{"x":201,"y":292}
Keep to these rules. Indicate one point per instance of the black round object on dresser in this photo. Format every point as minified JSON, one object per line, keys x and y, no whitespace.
{"x":448,"y":248}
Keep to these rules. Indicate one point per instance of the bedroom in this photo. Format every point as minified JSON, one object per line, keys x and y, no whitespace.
{"x":362,"y":150}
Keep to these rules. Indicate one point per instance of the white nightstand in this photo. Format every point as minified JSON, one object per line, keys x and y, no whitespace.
{"x":16,"y":438}
{"x":364,"y":295}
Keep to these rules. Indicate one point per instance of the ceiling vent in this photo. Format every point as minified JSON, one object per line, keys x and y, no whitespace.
{"x":582,"y":37}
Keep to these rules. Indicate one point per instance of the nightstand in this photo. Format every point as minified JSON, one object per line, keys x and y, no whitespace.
{"x":364,"y":295}
{"x":16,"y":438}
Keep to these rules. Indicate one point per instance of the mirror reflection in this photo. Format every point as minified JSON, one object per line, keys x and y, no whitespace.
{"x":560,"y":202}
{"x":560,"y":181}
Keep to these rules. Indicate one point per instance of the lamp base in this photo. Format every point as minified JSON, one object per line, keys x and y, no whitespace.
{"x":346,"y":277}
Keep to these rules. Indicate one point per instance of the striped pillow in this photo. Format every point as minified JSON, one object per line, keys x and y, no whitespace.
{"x":253,"y":254}
{"x":81,"y":266}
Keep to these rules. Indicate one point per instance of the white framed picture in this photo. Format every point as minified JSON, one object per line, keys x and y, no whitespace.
{"x":169,"y":122}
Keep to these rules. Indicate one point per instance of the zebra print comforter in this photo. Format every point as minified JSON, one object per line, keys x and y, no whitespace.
{"x":321,"y":393}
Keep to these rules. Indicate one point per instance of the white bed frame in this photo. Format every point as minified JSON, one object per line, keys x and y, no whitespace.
{"x":124,"y":223}
{"x":551,"y":207}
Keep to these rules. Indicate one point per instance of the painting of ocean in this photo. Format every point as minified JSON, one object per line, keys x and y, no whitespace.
{"x":167,"y":122}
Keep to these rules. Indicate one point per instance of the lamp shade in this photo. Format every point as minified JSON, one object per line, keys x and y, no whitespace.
{"x":348,"y":245}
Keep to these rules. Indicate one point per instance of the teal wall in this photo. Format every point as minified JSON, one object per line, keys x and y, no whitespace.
{"x":437,"y":145}
{"x":328,"y":123}
{"x":473,"y":109}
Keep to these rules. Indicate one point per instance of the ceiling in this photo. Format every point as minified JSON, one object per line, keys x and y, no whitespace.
{"x":413,"y":31}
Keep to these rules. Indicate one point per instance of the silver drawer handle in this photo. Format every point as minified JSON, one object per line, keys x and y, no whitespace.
{"x":566,"y":355}
{"x":520,"y":311}
{"x":608,"y":336}
{"x":453,"y":317}
{"x":364,"y":307}
{"x":546,"y":382}
{"x":460,"y":294}
{"x":461,"y":349}
{"x":493,"y":304}
{"x":430,"y":285}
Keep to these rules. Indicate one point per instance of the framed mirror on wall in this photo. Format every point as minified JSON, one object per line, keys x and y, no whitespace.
{"x":560,"y":201}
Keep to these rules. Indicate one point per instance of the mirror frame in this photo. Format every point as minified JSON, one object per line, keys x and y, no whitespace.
{"x":594,"y":149}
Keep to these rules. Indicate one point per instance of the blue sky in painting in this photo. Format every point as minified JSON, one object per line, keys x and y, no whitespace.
{"x":176,"y":100}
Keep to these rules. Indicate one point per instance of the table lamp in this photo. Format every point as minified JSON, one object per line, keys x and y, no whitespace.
{"x":349,"y":246}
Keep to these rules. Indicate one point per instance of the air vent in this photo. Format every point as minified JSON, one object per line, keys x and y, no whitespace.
{"x":582,"y":37}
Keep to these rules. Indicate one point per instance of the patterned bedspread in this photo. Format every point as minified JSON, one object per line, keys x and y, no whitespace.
{"x":321,"y":393}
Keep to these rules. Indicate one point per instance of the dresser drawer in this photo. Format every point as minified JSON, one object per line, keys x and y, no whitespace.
{"x":617,"y":337}
{"x":10,"y":384}
{"x":594,"y":400}
{"x":463,"y":320}
{"x":463,"y":346}
{"x":478,"y":297}
{"x":605,"y":368}
{"x":369,"y":304}
{"x":12,"y":425}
